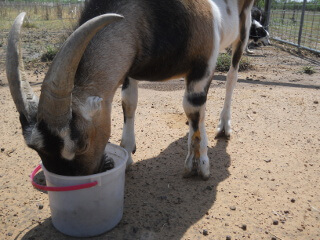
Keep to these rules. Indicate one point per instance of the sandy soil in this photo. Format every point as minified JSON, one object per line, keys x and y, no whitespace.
{"x":264,"y":184}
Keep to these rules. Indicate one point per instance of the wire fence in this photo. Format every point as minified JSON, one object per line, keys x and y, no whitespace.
{"x":295,"y":23}
{"x":48,"y":21}
{"x":291,"y":22}
{"x":40,"y":10}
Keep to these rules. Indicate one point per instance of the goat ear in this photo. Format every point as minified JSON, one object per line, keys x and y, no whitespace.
{"x":91,"y":107}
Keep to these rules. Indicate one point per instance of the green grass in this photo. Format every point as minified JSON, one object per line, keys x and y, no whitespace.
{"x":50,"y":25}
{"x":51,"y":17}
{"x":49,"y":54}
{"x":224,"y":63}
{"x":308,"y":70}
{"x":28,"y":24}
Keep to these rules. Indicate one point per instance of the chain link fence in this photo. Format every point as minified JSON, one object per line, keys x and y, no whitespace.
{"x":294,"y":22}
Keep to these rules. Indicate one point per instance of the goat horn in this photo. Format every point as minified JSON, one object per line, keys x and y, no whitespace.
{"x":24,"y":98}
{"x":55,"y":99}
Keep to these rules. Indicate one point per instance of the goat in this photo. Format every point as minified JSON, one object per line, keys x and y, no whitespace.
{"x":257,"y":32}
{"x":144,"y":40}
{"x":257,"y":14}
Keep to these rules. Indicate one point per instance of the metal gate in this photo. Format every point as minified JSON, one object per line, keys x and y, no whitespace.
{"x":294,"y":22}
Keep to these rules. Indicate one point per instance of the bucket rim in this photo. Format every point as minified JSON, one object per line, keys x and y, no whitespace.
{"x":92,"y":176}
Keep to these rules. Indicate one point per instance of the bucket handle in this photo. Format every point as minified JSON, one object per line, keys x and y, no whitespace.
{"x":59,"y":189}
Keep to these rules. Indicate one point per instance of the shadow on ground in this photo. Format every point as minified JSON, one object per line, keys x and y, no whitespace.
{"x":159,"y":203}
{"x":178,"y":84}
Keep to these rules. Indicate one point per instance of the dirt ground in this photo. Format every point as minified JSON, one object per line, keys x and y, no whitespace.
{"x":265,"y":181}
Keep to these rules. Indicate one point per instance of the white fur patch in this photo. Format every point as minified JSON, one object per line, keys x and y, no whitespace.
{"x":130,"y":99}
{"x":228,"y":23}
{"x":68,"y":151}
{"x":256,"y":23}
{"x":34,"y":138}
{"x":91,"y":107}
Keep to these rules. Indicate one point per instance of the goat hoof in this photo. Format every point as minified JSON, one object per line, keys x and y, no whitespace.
{"x":222,"y":135}
{"x":134,"y":149}
{"x":205,"y":177}
{"x":188,"y":173}
{"x":204,"y":168}
{"x":129,"y":161}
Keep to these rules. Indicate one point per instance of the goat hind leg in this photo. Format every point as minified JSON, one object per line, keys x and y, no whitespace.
{"x":129,"y":95}
{"x":197,"y":161}
{"x":224,"y":127}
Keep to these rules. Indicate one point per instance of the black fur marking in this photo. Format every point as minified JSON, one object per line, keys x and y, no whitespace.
{"x":107,"y":163}
{"x":124,"y":112}
{"x":197,"y":99}
{"x":257,"y":32}
{"x":261,"y":32}
{"x":76,"y":135}
{"x":194,"y":118}
{"x":51,"y":157}
{"x":237,"y":55}
{"x":52,"y":143}
{"x":24,"y":124}
{"x":222,"y":135}
{"x":95,"y":8}
{"x":165,"y":56}
{"x":228,"y":11}
{"x":134,"y":149}
{"x":198,"y":71}
{"x":125,"y":84}
{"x":258,"y":15}
{"x":50,"y":154}
{"x":165,"y":42}
{"x":239,"y":49}
{"x":253,"y":33}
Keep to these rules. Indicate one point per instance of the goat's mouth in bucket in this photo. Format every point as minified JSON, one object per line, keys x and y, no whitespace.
{"x":107,"y":163}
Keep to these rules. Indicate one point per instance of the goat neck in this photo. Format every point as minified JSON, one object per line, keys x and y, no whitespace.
{"x":55,"y":100}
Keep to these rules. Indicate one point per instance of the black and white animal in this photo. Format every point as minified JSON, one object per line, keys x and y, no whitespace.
{"x":257,"y":14}
{"x":121,"y":42}
{"x":258,"y":34}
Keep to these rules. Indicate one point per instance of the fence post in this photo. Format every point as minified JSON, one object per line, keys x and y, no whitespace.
{"x":301,"y":22}
{"x":267,"y":12}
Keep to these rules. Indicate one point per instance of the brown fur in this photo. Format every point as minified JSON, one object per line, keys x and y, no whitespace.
{"x":243,"y":5}
{"x":156,"y":40}
{"x":201,"y":43}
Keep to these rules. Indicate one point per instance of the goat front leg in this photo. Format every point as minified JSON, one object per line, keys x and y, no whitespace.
{"x":197,"y":161}
{"x":224,"y":127}
{"x":129,"y":96}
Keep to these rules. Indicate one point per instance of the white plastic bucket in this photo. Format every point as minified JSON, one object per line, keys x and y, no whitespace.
{"x":91,"y":211}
